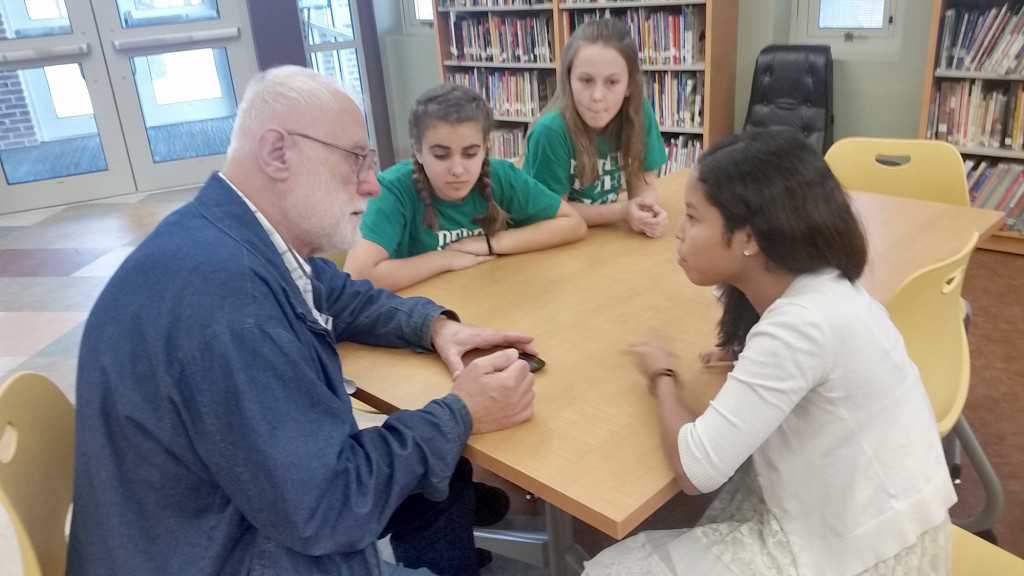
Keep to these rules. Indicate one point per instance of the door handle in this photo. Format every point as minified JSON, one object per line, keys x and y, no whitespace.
{"x":47,"y":53}
{"x":182,"y":38}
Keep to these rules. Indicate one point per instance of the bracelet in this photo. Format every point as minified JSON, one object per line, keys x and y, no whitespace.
{"x":490,"y":249}
{"x":652,"y":378}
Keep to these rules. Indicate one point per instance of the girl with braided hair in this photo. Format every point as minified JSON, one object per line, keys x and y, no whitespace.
{"x":451,"y":206}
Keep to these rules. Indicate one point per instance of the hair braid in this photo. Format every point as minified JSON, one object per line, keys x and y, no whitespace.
{"x":495,"y":219}
{"x":426,"y":194}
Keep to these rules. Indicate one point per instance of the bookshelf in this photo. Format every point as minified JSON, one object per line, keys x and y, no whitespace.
{"x":510,"y":51}
{"x":974,"y":98}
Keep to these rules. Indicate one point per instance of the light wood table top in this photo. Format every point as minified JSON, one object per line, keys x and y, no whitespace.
{"x":592,"y":448}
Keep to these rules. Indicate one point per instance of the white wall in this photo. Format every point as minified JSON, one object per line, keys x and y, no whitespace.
{"x":870,"y":97}
{"x":410,"y":66}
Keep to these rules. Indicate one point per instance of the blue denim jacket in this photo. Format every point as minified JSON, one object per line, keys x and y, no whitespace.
{"x":214,"y":434}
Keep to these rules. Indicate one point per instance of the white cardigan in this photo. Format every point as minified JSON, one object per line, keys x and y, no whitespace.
{"x":843,"y":437}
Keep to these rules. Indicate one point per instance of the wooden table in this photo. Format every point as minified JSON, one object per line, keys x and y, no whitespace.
{"x":592,"y":448}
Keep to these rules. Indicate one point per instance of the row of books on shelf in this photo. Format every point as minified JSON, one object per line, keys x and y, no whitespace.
{"x":502,"y":39}
{"x":677,"y":98}
{"x":664,"y":36}
{"x":983,"y":40}
{"x":998,"y":185}
{"x":511,"y":93}
{"x":507,"y":142}
{"x":683,"y":152}
{"x":492,"y":3}
{"x":978,"y":113}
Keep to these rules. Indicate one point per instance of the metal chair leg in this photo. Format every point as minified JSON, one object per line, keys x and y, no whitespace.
{"x":545,"y":541}
{"x":951,"y":447}
{"x":993,"y":507}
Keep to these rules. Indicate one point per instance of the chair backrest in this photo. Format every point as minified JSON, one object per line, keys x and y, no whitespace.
{"x":923,"y":169}
{"x":338,"y":257}
{"x":927,"y":311}
{"x":792,"y":88}
{"x":37,"y":451}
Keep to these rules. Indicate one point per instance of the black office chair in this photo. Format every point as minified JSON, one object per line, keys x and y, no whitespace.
{"x":792,"y":88}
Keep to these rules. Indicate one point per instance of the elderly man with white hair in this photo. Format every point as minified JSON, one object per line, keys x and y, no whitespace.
{"x":214,"y":431}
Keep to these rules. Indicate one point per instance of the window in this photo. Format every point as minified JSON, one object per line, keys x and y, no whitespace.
{"x":854,"y":28}
{"x":858,"y":15}
{"x":418,"y":16}
{"x":45,"y":9}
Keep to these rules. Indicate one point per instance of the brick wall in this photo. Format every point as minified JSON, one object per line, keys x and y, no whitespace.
{"x":17,"y":128}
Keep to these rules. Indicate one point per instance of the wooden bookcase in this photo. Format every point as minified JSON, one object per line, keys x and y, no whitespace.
{"x":717,"y":69}
{"x":945,"y":72}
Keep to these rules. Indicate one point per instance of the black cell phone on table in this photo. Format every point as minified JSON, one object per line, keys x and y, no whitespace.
{"x":532,"y":361}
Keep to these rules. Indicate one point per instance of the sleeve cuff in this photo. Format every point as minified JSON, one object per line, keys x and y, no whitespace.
{"x":697,"y":471}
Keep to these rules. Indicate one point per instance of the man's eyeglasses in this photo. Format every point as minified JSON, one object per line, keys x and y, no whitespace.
{"x":367,"y":166}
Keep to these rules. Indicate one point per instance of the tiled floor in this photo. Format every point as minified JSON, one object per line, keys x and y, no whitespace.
{"x":53,"y":264}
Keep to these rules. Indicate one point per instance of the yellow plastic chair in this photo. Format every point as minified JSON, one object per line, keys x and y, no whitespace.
{"x":926,"y":310}
{"x":912,"y":168}
{"x":338,"y":257}
{"x":37,"y":452}
{"x":973,"y":556}
{"x":922,"y":169}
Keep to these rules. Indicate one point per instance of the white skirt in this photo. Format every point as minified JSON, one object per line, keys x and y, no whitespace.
{"x":739,"y":536}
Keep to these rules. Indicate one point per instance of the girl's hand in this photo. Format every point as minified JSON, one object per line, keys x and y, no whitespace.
{"x":646,"y":217}
{"x":717,"y":357}
{"x":654,"y":354}
{"x":476,"y":245}
{"x":457,"y":259}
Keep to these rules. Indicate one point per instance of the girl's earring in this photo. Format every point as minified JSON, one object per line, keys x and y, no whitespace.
{"x":746,"y":252}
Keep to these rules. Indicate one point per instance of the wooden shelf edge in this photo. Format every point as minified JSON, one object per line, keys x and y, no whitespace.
{"x":990,"y":152}
{"x":508,"y":65}
{"x":696,"y":67}
{"x":680,"y":130}
{"x":1010,"y":242}
{"x":516,"y":119}
{"x":976,"y":75}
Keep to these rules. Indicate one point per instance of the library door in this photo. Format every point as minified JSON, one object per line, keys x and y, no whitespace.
{"x":116,"y":96}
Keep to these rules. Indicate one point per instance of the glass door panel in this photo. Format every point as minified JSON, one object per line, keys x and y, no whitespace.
{"x":60,"y":140}
{"x":176,"y":85}
{"x":343,"y":66}
{"x":33,"y":18}
{"x":188,"y":102}
{"x":327,"y":22}
{"x":47,"y":128}
{"x":121,"y":105}
{"x":334,"y":49}
{"x":139,"y":13}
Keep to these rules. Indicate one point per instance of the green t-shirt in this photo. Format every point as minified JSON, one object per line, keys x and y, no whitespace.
{"x":551,"y":158}
{"x":394,"y":220}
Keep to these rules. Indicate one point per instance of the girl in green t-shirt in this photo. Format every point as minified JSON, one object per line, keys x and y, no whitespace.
{"x":451,"y":207}
{"x":599,"y":134}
